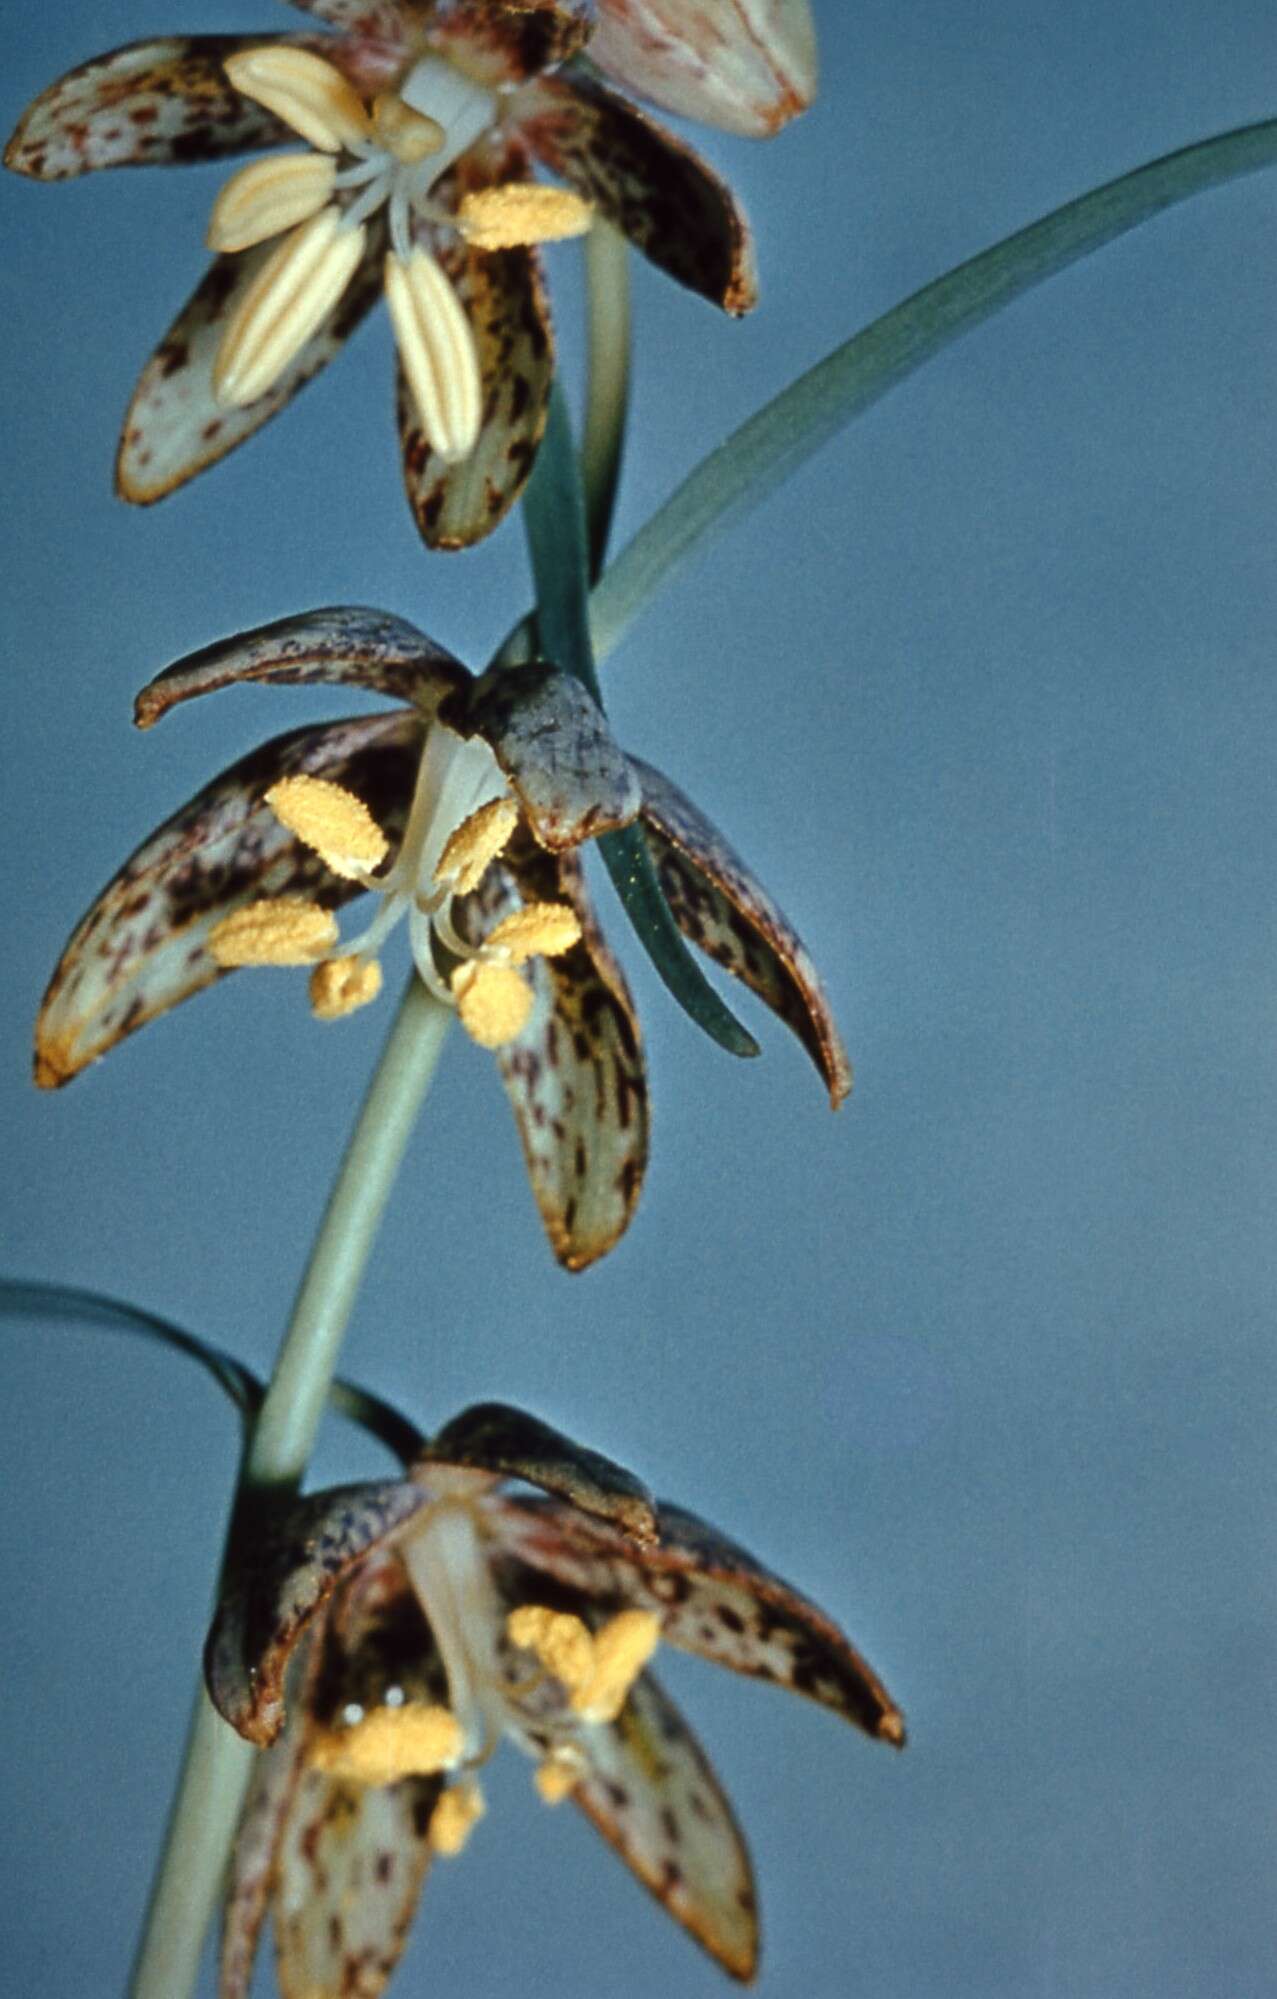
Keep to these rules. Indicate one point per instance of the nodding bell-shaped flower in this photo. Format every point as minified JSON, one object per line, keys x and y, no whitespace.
{"x":461,"y":813}
{"x":378,"y":1641}
{"x":422,"y":122}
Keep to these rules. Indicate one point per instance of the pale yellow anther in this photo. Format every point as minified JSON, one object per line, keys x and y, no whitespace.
{"x":331,"y":820}
{"x":522,"y":212}
{"x":342,"y":985}
{"x":493,"y":1002}
{"x":288,"y":301}
{"x":271,"y":195}
{"x":437,"y":347}
{"x":474,"y":843}
{"x":284,"y":931}
{"x":390,"y":1743}
{"x":622,"y":1647}
{"x":561,"y":1642}
{"x":410,"y":136}
{"x":557,"y":1777}
{"x":305,"y":91}
{"x":540,"y":930}
{"x":454,"y":1818}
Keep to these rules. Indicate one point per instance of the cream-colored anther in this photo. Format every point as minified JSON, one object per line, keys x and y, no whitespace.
{"x":475,"y":843}
{"x":454,"y":1818}
{"x":305,"y":91}
{"x":539,"y":930}
{"x":284,"y":931}
{"x":561,"y":1642}
{"x":557,"y":1777}
{"x":493,"y":1002}
{"x":264,"y":199}
{"x":409,"y":136}
{"x":438,"y":351}
{"x":342,"y":985}
{"x":286,"y":303}
{"x":522,"y":213}
{"x":332,"y":821}
{"x":622,"y":1647}
{"x":392,"y":1742}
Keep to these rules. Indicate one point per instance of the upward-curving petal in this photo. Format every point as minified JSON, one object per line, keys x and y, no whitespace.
{"x":712,"y":1597}
{"x":747,"y":66}
{"x":174,"y":426}
{"x":651,"y":186}
{"x":722,"y":907}
{"x":505,"y":1442}
{"x":575,"y":1075}
{"x":503,"y":43}
{"x":343,"y":645}
{"x":504,"y":297}
{"x":143,"y":946}
{"x":651,"y":1792}
{"x":148,"y":103}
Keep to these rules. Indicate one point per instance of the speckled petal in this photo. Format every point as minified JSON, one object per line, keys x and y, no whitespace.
{"x":575,"y":1075}
{"x":499,"y":44}
{"x":655,"y":189}
{"x":174,"y":426}
{"x":722,"y":907}
{"x":745,"y":65}
{"x":142,"y":946}
{"x":281,"y":1570}
{"x":345,"y":645}
{"x":552,"y":740}
{"x":276,"y":1775}
{"x":508,"y":1443}
{"x":503,"y":293}
{"x":350,"y":1870}
{"x":713,"y":1598}
{"x":388,"y":21}
{"x":652,"y":1794}
{"x":148,"y":103}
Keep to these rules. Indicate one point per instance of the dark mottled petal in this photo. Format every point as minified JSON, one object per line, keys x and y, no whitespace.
{"x":494,"y":1437}
{"x":151,"y":102}
{"x":575,"y":1076}
{"x":276,"y":1775}
{"x":280,"y":1571}
{"x":351,"y":1865}
{"x":503,"y":44}
{"x":503,"y":293}
{"x":652,"y":1794}
{"x":721,"y":906}
{"x":174,"y":427}
{"x":744,"y":65}
{"x":142,"y":946}
{"x":551,"y":739}
{"x":344,"y":645}
{"x":713,"y":1598}
{"x":388,"y":21}
{"x":655,"y":189}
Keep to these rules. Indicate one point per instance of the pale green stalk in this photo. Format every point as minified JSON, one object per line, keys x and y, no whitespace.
{"x":607,"y":395}
{"x":218,"y":1764}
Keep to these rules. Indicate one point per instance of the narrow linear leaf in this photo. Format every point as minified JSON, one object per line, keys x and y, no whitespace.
{"x":554,"y":518}
{"x":749,"y":466}
{"x":607,"y":404}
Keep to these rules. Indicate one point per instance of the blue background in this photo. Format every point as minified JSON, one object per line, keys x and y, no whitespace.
{"x":985,"y":1362}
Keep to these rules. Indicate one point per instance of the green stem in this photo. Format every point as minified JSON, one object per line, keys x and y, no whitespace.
{"x":217,"y":1763}
{"x":607,"y":399}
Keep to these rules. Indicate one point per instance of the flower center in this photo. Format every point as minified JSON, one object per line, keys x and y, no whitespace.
{"x":461,"y":819}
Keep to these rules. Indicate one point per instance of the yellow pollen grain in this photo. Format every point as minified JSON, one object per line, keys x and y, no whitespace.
{"x":522,"y":213}
{"x":390,"y":1743}
{"x":455,"y":1817}
{"x":410,"y":136}
{"x":342,"y":985}
{"x":622,"y":1648}
{"x":541,"y":930}
{"x":332,"y":821}
{"x":476,"y":842}
{"x":285,"y":931}
{"x":561,"y":1642}
{"x":493,"y":1002}
{"x":556,"y":1779}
